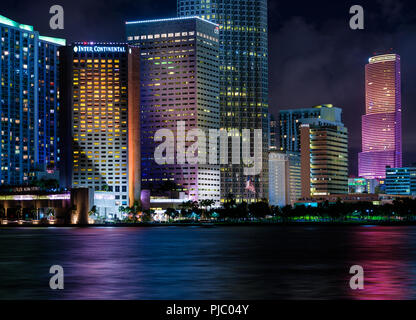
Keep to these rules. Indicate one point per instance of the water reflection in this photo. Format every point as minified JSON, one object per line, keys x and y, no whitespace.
{"x":386,"y":255}
{"x":275,"y":262}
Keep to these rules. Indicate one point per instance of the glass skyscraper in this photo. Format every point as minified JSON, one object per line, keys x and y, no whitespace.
{"x":381,"y":124}
{"x":291,"y":120}
{"x":29,"y":97}
{"x":243,"y":81}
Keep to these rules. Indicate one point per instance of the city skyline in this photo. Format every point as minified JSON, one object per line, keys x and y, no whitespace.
{"x":233,"y":150}
{"x":333,"y":75}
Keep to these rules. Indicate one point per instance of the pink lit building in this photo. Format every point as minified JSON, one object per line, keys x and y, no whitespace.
{"x":381,"y":124}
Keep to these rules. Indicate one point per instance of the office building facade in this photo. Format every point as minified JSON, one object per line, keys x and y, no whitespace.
{"x":101,"y":136}
{"x":243,"y":81}
{"x":400,"y":181}
{"x":381,"y":124}
{"x":324,"y":160}
{"x":290,"y":121}
{"x":180,"y":93}
{"x":29,"y":98}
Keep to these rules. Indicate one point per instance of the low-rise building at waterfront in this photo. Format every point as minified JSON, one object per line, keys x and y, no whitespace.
{"x":401,"y":181}
{"x":357,"y":185}
{"x":31,"y":205}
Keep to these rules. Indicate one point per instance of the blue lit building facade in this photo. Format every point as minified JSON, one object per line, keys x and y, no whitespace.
{"x":243,"y":81}
{"x":29,"y":95}
{"x":401,"y":181}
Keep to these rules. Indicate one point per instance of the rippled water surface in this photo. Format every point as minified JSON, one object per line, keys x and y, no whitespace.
{"x":253,"y":262}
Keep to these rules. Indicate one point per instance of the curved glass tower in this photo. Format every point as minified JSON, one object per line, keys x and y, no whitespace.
{"x":381,"y":125}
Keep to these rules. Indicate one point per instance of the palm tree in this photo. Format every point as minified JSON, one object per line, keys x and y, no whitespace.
{"x":206,"y":203}
{"x":172,"y":213}
{"x":189,"y":205}
{"x":93,"y":211}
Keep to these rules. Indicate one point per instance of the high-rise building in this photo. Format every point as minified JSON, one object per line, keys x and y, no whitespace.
{"x":100,"y":122}
{"x":381,"y":124}
{"x":180,"y":93}
{"x":243,"y":81}
{"x":324,"y":160}
{"x":291,"y":120}
{"x":273,"y":133}
{"x":29,"y":98}
{"x":284,"y":178}
{"x":400,"y":181}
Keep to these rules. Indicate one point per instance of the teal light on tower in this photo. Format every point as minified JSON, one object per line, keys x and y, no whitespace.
{"x":29,"y":98}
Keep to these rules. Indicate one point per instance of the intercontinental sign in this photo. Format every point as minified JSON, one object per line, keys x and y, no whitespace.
{"x":98,"y":49}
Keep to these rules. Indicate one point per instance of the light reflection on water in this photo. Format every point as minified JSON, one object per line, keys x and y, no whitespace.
{"x":386,"y":254}
{"x":270,"y":262}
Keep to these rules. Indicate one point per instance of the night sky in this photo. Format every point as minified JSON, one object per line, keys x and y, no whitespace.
{"x":315,"y":57}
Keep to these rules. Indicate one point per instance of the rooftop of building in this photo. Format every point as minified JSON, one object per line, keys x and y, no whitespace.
{"x":11,"y":23}
{"x":302,"y":109}
{"x":171,"y":19}
{"x":401,"y":169}
{"x":384,"y":58}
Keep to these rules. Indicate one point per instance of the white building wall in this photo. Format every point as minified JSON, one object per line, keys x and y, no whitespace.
{"x":277,"y":179}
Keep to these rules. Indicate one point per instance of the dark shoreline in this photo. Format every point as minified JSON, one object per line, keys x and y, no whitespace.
{"x":214,"y":224}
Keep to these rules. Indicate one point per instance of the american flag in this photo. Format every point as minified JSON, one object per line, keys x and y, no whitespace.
{"x":250,"y":186}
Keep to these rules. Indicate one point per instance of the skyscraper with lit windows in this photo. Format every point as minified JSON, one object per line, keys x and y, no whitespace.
{"x":381,"y":124}
{"x":324,"y":160}
{"x":29,"y":97}
{"x":243,"y":80}
{"x":100,"y":122}
{"x":179,"y":83}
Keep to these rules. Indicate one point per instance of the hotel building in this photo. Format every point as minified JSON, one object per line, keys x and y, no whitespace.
{"x":179,"y":84}
{"x":100,"y":122}
{"x":324,"y":160}
{"x":381,"y":124}
{"x":291,"y":120}
{"x":243,"y":81}
{"x":29,"y":98}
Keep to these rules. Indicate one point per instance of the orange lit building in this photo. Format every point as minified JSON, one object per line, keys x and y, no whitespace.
{"x":100,"y":134}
